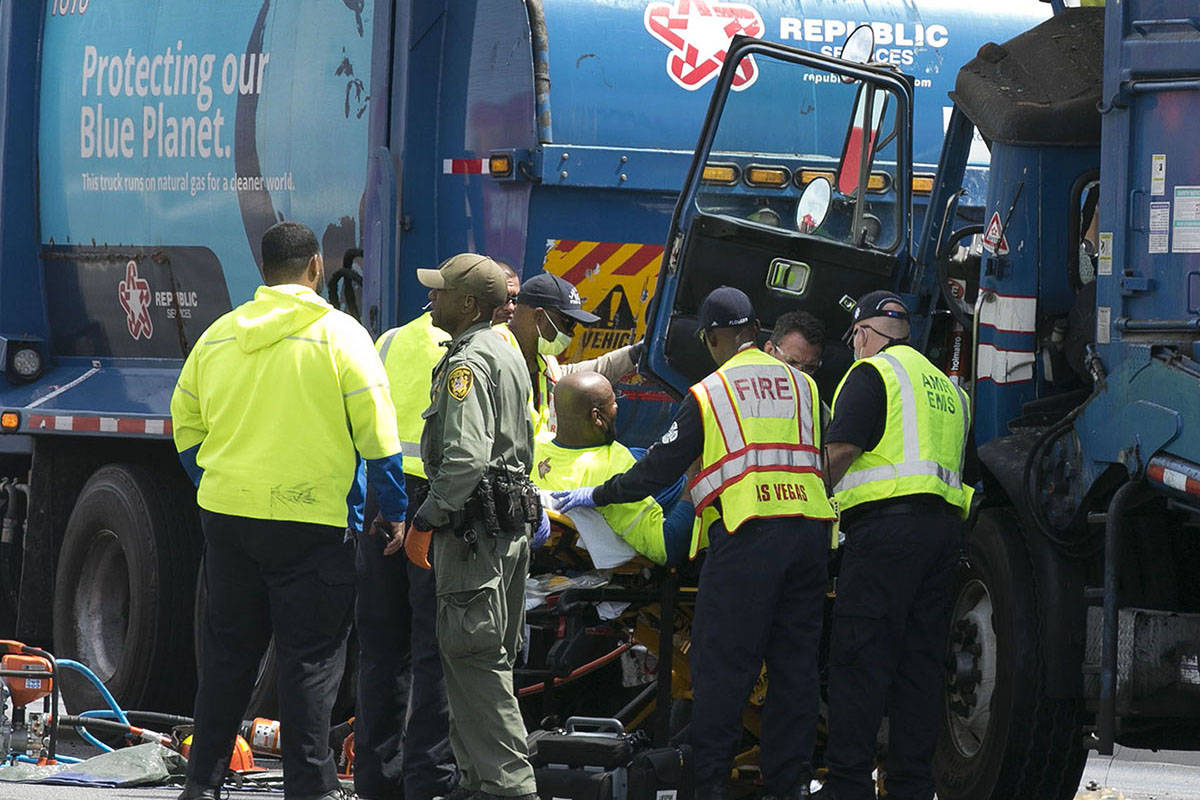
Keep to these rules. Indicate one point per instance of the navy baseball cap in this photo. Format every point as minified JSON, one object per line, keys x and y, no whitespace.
{"x":550,"y":291}
{"x":725,"y":307}
{"x":871,"y":305}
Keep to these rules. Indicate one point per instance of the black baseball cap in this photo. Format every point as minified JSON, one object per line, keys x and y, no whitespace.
{"x":871,"y":305}
{"x":725,"y":307}
{"x":550,"y":291}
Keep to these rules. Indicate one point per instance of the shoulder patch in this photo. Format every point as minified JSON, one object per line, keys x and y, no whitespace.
{"x":459,"y":381}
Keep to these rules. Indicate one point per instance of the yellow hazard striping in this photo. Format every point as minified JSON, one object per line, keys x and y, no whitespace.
{"x":616,"y":281}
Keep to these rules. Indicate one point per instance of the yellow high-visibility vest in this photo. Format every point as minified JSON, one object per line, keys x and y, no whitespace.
{"x":548,"y":374}
{"x":924,"y":435}
{"x":409,"y":354}
{"x":762,"y":444}
{"x":639,"y":523}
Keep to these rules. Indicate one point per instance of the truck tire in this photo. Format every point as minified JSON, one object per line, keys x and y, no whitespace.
{"x":1002,"y":736}
{"x":125,"y":578}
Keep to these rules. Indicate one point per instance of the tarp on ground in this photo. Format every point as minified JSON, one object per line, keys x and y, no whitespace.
{"x":143,"y":765}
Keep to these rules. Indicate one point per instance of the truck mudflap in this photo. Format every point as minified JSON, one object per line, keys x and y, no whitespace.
{"x":1158,"y":662}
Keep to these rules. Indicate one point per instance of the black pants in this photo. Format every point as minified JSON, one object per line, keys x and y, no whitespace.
{"x":402,"y":731}
{"x":293,"y":579}
{"x":887,"y":651}
{"x":760,"y":599}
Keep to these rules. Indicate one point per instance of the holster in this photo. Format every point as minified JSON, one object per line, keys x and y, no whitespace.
{"x":503,"y":504}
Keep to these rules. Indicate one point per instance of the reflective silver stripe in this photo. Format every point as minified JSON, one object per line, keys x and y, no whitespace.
{"x":387,"y":344}
{"x":736,"y":466}
{"x":185,"y":391}
{"x":887,"y":472}
{"x":909,"y":434}
{"x":724,"y":412}
{"x":962,"y":453}
{"x":410,"y":449}
{"x":366,"y":389}
{"x":805,"y":398}
{"x":220,"y":341}
{"x":307,"y":339}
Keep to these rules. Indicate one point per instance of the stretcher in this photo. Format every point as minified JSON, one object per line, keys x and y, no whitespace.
{"x":629,"y":664}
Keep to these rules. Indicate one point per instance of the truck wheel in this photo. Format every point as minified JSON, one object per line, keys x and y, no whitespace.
{"x":124,"y":581}
{"x":1002,"y":736}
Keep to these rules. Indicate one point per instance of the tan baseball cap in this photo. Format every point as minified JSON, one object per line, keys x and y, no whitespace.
{"x":470,"y":273}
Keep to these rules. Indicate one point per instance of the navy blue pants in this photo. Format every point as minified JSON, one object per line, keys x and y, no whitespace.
{"x":295,"y":580}
{"x":760,"y":599}
{"x":401,"y":731}
{"x":887,"y":651}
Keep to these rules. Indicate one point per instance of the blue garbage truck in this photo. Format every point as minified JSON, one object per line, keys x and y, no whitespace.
{"x":1069,"y":310}
{"x":145,"y":147}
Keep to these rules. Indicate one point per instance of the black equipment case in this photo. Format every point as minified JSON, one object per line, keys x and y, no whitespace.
{"x":593,"y":758}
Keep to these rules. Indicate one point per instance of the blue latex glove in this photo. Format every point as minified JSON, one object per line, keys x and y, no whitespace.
{"x":574,"y":498}
{"x":543,"y":531}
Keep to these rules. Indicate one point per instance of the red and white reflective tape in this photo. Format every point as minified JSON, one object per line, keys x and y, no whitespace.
{"x":1003,"y":366}
{"x":465,"y":166}
{"x":133,"y":426}
{"x":1171,"y":474}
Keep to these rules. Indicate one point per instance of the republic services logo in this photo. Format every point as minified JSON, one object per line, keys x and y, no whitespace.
{"x":134,"y":294}
{"x":698,"y":33}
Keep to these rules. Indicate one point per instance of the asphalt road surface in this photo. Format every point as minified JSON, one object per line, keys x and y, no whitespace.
{"x":1129,"y":775}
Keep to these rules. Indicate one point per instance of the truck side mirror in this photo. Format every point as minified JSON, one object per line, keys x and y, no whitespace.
{"x":858,"y":47}
{"x":813,"y":205}
{"x":858,"y":151}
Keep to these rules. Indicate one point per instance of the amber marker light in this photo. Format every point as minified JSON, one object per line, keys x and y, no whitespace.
{"x":807,"y":176}
{"x":10,"y":421}
{"x":773,"y":177}
{"x":723,"y":174}
{"x":500,"y":165}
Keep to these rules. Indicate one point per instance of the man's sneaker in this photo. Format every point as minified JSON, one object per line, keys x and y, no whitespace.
{"x":196,"y":791}
{"x":339,"y":793}
{"x":457,"y":793}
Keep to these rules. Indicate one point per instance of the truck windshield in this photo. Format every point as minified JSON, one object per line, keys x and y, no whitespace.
{"x":794,"y":124}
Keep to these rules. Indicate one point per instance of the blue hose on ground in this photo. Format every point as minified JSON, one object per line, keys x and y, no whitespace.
{"x":63,"y":759}
{"x":86,"y":672}
{"x":83,"y":670}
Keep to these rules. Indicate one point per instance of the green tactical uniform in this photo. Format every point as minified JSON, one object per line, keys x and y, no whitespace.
{"x":478,"y":422}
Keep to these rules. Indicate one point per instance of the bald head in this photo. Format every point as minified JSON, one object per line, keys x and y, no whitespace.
{"x":586,"y":408}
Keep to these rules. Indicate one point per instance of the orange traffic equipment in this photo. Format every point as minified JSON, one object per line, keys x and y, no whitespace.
{"x":241,"y":760}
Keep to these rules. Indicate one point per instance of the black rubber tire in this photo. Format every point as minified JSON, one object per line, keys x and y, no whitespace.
{"x":264,"y":699}
{"x":123,"y":587}
{"x":1028,"y":745}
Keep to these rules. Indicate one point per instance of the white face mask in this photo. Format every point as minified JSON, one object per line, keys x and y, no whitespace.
{"x":552,"y":348}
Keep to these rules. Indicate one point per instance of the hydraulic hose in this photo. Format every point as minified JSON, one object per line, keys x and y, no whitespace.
{"x":82,"y":669}
{"x":146,"y":717}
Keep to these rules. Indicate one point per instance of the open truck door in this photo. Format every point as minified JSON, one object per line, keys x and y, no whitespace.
{"x":802,"y":204}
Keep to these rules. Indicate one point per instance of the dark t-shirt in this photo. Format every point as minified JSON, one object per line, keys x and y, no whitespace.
{"x":861,"y":409}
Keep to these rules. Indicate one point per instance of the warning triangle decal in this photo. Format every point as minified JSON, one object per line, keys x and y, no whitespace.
{"x":993,"y":239}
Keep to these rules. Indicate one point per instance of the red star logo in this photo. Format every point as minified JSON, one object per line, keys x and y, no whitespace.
{"x":698,"y":33}
{"x":134,"y":294}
